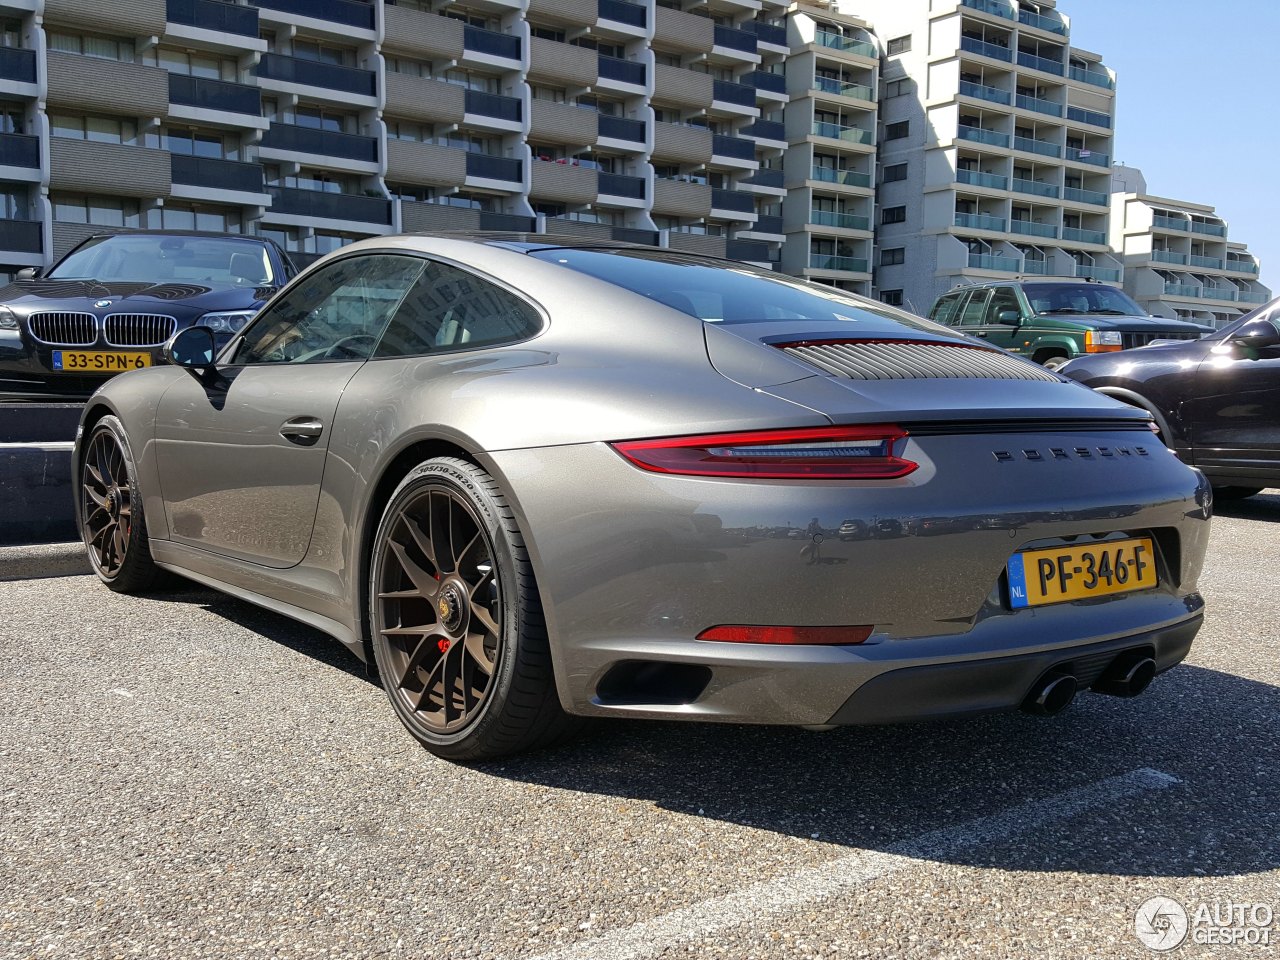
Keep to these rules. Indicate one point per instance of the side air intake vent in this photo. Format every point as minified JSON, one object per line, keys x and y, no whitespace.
{"x":912,"y":360}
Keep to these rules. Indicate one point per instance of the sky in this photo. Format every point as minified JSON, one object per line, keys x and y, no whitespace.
{"x":1197,"y":104}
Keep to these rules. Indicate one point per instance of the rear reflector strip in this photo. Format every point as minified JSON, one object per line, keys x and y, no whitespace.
{"x":740,"y":633}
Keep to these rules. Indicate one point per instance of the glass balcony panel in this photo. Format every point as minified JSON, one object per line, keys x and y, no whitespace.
{"x":848,"y":44}
{"x":736,"y":93}
{"x":832,"y":218}
{"x":217,"y":174}
{"x":17,"y":64}
{"x":347,"y":12}
{"x":493,"y":105}
{"x":986,"y":261}
{"x":1213,"y":263}
{"x":837,"y":132}
{"x":1094,"y":77}
{"x":618,"y":185}
{"x":1044,"y":64}
{"x":1042,"y":147}
{"x":1249,"y":297}
{"x":494,"y":168}
{"x":822,"y":261}
{"x":1111,"y":274}
{"x":1211,"y":229}
{"x":1088,"y":116}
{"x":1039,"y":267}
{"x":1170,"y":223}
{"x":1089,"y":156}
{"x":841,"y":88}
{"x":733,"y":39}
{"x":993,"y":7}
{"x":624,"y":71}
{"x":982,"y":135}
{"x":977,"y":178}
{"x":492,"y":42}
{"x":982,"y":92}
{"x":19,"y":150}
{"x":622,"y":11}
{"x":767,"y":32}
{"x":1241,"y":266}
{"x":325,"y":143}
{"x":1035,"y":187}
{"x":312,"y":73}
{"x":622,"y":128}
{"x":1095,"y":197}
{"x":1047,"y":107}
{"x":1032,"y":229}
{"x":330,"y":206}
{"x":981,"y":221}
{"x":850,"y":178}
{"x":1083,"y":236}
{"x":735,"y":147}
{"x":985,"y":49}
{"x":734,"y":200}
{"x":215,"y":94}
{"x":764,"y":80}
{"x":1042,"y":23}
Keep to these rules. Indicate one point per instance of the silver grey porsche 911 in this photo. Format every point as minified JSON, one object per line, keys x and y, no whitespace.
{"x":531,"y":479}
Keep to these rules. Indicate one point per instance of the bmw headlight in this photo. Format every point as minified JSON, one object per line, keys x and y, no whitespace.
{"x":232,"y":321}
{"x":7,"y":320}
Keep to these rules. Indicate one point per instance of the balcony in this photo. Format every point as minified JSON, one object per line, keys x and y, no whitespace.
{"x":1031,"y":228}
{"x":21,"y":236}
{"x":1242,"y":266}
{"x":734,"y":147}
{"x":490,"y":42}
{"x":981,"y":221}
{"x":330,"y":206}
{"x":494,"y":168}
{"x":1096,"y":197}
{"x":736,"y":93}
{"x":765,"y":177}
{"x":833,"y":218}
{"x":19,"y":150}
{"x":346,"y":12}
{"x":1213,"y":263}
{"x":767,"y":32}
{"x":1181,"y":290}
{"x":822,"y":261}
{"x":984,"y":49}
{"x":850,"y":178}
{"x":214,"y":15}
{"x":985,"y":261}
{"x":622,"y":128}
{"x":623,"y":71}
{"x":622,"y":11}
{"x":1094,"y":77}
{"x":1211,"y":229}
{"x":743,"y":41}
{"x":1088,"y":116}
{"x":17,"y":65}
{"x":977,"y":178}
{"x":981,"y":92}
{"x":841,"y":88}
{"x":993,"y":7}
{"x":750,"y":251}
{"x":633,"y":235}
{"x":1035,"y":188}
{"x":1170,"y":223}
{"x":764,"y":80}
{"x":493,"y":105}
{"x":982,"y":135}
{"x":215,"y":95}
{"x":835,"y":131}
{"x":217,"y":174}
{"x":766,"y":130}
{"x":1247,"y":296}
{"x":1033,"y":62}
{"x":297,"y":139}
{"x":1039,"y":105}
{"x":1039,"y":267}
{"x":312,"y":73}
{"x":1083,"y":236}
{"x":1048,"y":24}
{"x":1169,"y":256}
{"x":732,"y":200}
{"x":768,"y":224}
{"x":847,"y":44}
{"x":1042,"y":147}
{"x":1089,"y":156}
{"x":1109,"y":274}
{"x":618,"y":185}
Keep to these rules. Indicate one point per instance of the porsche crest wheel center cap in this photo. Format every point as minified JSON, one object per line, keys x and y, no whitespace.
{"x":450,"y":606}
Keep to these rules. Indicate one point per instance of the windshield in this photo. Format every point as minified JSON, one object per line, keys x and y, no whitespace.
{"x":149,"y":258}
{"x":719,"y":292}
{"x":1068,"y":298}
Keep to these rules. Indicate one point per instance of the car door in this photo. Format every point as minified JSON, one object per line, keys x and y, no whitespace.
{"x":973,"y":310}
{"x":241,"y":449}
{"x":1002,"y":302}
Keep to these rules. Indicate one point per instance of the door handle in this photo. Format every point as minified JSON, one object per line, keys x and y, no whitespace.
{"x":305,"y":430}
{"x":980,"y":333}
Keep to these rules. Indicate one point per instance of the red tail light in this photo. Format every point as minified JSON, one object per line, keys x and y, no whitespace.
{"x":738,"y":633}
{"x":816,"y":453}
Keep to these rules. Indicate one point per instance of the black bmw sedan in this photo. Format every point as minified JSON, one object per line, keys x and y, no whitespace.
{"x":1216,"y":401}
{"x":110,"y":304}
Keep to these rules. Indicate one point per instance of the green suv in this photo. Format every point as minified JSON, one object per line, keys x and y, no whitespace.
{"x":1052,"y":321}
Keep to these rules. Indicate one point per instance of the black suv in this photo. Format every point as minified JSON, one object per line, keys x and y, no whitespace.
{"x":1052,"y":321}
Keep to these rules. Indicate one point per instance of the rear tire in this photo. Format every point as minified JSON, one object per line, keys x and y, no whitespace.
{"x":458,"y":634}
{"x":1055,"y":362}
{"x":1235,"y":493}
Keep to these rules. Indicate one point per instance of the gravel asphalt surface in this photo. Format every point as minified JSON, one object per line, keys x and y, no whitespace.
{"x":186,"y":775}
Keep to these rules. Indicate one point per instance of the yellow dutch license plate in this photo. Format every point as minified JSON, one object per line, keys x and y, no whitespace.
{"x":98,"y":361}
{"x":1059,"y":574}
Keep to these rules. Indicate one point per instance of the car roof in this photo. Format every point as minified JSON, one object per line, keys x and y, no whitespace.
{"x":178,"y":233}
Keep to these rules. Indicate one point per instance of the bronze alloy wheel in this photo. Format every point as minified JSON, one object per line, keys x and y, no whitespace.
{"x":106,"y":501}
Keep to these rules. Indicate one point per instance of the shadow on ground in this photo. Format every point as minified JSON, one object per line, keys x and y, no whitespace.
{"x":1262,"y":506}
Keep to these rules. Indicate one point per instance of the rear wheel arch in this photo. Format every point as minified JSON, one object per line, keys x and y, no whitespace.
{"x":1134,"y":399}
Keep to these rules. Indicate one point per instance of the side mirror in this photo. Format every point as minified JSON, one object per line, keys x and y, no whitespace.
{"x":192,"y":348}
{"x":1012,"y":317}
{"x":1256,"y":335}
{"x":27,"y":273}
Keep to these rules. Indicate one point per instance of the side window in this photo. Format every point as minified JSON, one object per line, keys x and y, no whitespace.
{"x":975,"y":311}
{"x":450,"y":309}
{"x":944,"y":311}
{"x":336,"y":313}
{"x":1002,"y":299}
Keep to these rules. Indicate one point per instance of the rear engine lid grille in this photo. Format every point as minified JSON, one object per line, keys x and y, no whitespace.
{"x":65,"y":329}
{"x":139,"y":329}
{"x":1131,"y":340}
{"x":912,"y":360}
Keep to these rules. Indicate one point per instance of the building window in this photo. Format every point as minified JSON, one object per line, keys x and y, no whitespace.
{"x":409,"y":130}
{"x":898,"y":45}
{"x":893,"y":256}
{"x":104,"y":48}
{"x":319,"y":118}
{"x":892,"y":297}
{"x":899,"y":88}
{"x":407,"y":67}
{"x":893,"y":215}
{"x":894,"y":172}
{"x":322,"y":53}
{"x":189,"y":216}
{"x":198,"y":65}
{"x":547,"y":33}
{"x":102,"y":211}
{"x":97,"y":129}
{"x":896,"y":131}
{"x":200,"y":143}
{"x":14,"y":203}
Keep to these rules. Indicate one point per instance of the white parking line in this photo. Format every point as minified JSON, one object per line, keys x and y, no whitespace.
{"x":787,"y":893}
{"x":47,"y":447}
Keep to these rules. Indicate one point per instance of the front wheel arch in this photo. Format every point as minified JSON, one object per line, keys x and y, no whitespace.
{"x":1133,"y":399}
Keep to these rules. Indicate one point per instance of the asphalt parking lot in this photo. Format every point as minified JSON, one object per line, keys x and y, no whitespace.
{"x":188,"y":776}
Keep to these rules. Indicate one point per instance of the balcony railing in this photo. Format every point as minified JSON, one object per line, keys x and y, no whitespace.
{"x":215,"y":94}
{"x":517,"y":222}
{"x":734,"y":147}
{"x":847,"y":44}
{"x":764,"y":80}
{"x":623,"y":11}
{"x":994,"y":7}
{"x":1038,"y":267}
{"x":494,"y":168}
{"x":1096,"y":197}
{"x":842,"y":88}
{"x":1042,"y":147}
{"x":1034,"y":62}
{"x":216,"y":174}
{"x":976,"y":178}
{"x":767,"y":32}
{"x":836,"y":131}
{"x":768,"y":224}
{"x":1039,"y":105}
{"x":823,"y":261}
{"x":1083,"y":236}
{"x":1247,"y":296}
{"x":833,"y":218}
{"x":1035,"y":187}
{"x":493,"y":105}
{"x":986,"y":261}
{"x":981,"y":221}
{"x":288,"y":136}
{"x":1170,"y":223}
{"x":1169,"y":256}
{"x":1094,"y":77}
{"x":766,"y":177}
{"x":17,"y":64}
{"x":19,"y":150}
{"x":1042,"y":23}
{"x":1212,"y":229}
{"x":1089,"y":156}
{"x":982,"y":135}
{"x":490,"y":42}
{"x":736,"y":93}
{"x":1220,"y":293}
{"x":214,"y":15}
{"x":1213,"y":263}
{"x":1181,"y":290}
{"x":634,"y":235}
{"x":21,"y":236}
{"x":622,"y":128}
{"x":766,"y":130}
{"x":733,"y":200}
{"x":313,"y":73}
{"x":1111,"y":274}
{"x":618,"y":185}
{"x":330,"y":206}
{"x":1031,"y":228}
{"x":624,"y":71}
{"x":982,"y":92}
{"x":733,"y":39}
{"x":985,"y":49}
{"x":850,"y":178}
{"x":347,"y":12}
{"x":1089,"y":116}
{"x":749,"y":251}
{"x":1242,"y":266}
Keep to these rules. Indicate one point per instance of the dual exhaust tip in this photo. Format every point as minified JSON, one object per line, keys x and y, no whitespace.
{"x":1126,"y":676}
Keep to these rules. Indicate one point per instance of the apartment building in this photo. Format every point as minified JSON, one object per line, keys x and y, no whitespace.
{"x":1178,"y":260}
{"x":995,"y":150}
